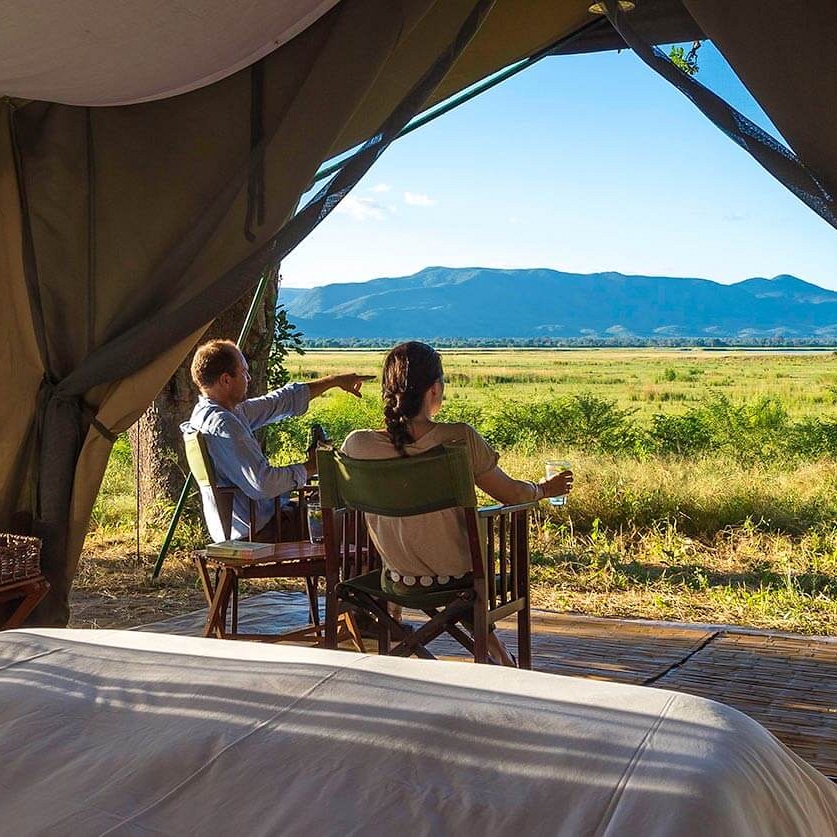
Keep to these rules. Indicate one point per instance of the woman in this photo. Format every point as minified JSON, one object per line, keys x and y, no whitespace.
{"x":431,"y":550}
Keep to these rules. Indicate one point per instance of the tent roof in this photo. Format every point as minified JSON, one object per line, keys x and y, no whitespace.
{"x":85,"y":52}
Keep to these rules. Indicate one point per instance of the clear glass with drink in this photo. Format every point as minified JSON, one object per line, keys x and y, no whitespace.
{"x":553,"y":468}
{"x":315,"y":523}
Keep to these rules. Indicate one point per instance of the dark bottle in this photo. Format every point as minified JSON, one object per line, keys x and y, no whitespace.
{"x":317,"y":436}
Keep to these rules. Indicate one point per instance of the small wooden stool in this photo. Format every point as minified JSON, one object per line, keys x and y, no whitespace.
{"x":20,"y":576}
{"x":30,"y":593}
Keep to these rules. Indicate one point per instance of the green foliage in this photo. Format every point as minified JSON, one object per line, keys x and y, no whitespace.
{"x":747,"y":432}
{"x":286,"y":339}
{"x":682,"y":435}
{"x":338,"y":413}
{"x":686,"y":62}
{"x":596,"y":424}
{"x":812,"y":438}
{"x":456,"y":409}
{"x":115,"y":506}
{"x":583,"y":421}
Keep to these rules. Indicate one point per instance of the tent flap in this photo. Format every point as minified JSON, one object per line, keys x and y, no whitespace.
{"x":785,"y":55}
{"x":147,"y":205}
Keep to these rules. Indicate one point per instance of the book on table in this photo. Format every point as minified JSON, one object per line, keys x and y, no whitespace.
{"x":242,"y":550}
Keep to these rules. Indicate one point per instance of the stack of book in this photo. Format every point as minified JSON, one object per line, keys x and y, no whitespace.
{"x":240,"y":550}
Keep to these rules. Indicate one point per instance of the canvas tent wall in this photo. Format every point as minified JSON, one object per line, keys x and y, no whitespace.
{"x":131,"y":146}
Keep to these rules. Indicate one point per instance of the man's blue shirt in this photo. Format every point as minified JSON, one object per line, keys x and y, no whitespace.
{"x":237,"y":456}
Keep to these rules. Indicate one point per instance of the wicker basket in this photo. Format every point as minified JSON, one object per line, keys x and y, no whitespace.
{"x":20,"y":558}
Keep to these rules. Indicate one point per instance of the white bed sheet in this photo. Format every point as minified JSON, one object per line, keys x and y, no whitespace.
{"x":116,"y":732}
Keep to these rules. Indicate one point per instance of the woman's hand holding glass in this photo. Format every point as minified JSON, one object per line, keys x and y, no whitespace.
{"x":558,"y":482}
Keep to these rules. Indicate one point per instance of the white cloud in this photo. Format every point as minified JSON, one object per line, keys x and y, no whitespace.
{"x":381,"y":187}
{"x":361,"y":209}
{"x":418,"y":199}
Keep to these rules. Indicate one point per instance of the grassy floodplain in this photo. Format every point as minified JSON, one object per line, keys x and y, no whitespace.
{"x":643,"y":379}
{"x":706,"y":482}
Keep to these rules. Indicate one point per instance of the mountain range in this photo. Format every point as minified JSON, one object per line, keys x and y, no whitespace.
{"x":488,"y":303}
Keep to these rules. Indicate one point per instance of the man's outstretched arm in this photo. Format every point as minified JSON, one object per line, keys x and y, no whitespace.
{"x":350,"y":382}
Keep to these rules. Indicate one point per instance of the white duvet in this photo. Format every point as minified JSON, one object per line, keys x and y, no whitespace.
{"x":111,"y":732}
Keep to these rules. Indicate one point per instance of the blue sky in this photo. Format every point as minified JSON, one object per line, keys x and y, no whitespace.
{"x":580,"y":163}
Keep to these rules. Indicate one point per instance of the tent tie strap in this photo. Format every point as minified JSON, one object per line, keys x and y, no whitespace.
{"x":51,"y":390}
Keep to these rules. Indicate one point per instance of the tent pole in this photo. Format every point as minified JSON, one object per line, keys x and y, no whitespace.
{"x":175,"y":518}
{"x":187,"y":486}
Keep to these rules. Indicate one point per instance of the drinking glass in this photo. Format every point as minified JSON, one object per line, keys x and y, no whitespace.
{"x":315,"y":523}
{"x":554,"y":467}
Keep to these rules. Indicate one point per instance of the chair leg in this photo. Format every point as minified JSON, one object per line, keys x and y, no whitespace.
{"x":524,"y":615}
{"x":384,"y":639}
{"x":234,"y":617}
{"x":457,"y":633}
{"x":331,"y":607}
{"x":311,"y":583}
{"x":480,"y":631}
{"x":414,"y":643}
{"x":387,"y":626}
{"x":354,"y":630}
{"x":524,"y":636}
{"x":216,"y":616}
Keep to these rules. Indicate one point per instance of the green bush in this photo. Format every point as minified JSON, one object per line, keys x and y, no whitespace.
{"x":338,"y":413}
{"x":748,"y":433}
{"x":812,"y":438}
{"x":683,"y":435}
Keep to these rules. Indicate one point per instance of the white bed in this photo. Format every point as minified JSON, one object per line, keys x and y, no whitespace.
{"x":116,"y":732}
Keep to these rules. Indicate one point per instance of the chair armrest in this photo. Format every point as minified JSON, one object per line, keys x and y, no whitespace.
{"x":494,"y":511}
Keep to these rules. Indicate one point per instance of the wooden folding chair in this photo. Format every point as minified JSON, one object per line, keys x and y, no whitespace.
{"x":290,"y":559}
{"x":497,"y":543}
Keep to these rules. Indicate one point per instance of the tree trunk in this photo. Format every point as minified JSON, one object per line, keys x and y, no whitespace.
{"x":156,"y":442}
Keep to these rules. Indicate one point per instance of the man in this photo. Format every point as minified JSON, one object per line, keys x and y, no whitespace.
{"x":227,"y":418}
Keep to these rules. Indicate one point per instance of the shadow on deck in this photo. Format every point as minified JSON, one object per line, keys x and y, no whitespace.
{"x":786,"y":682}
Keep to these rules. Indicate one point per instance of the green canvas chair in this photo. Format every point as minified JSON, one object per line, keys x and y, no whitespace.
{"x":497,"y":540}
{"x":307,"y":561}
{"x":219,"y":518}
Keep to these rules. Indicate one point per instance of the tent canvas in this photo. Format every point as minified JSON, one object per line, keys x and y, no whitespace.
{"x":126,"y":194}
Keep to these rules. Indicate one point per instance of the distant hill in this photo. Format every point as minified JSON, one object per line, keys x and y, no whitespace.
{"x":483,"y":303}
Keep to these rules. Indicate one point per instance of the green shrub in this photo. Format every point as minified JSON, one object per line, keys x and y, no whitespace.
{"x":339,"y":413}
{"x":812,"y":438}
{"x":596,"y":424}
{"x":683,"y":435}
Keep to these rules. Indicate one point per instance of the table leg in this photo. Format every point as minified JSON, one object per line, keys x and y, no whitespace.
{"x":216,"y":618}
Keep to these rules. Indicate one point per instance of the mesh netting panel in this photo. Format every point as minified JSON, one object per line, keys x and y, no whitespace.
{"x":779,"y":160}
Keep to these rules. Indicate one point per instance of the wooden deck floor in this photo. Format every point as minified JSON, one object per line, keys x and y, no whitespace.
{"x":786,"y":682}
